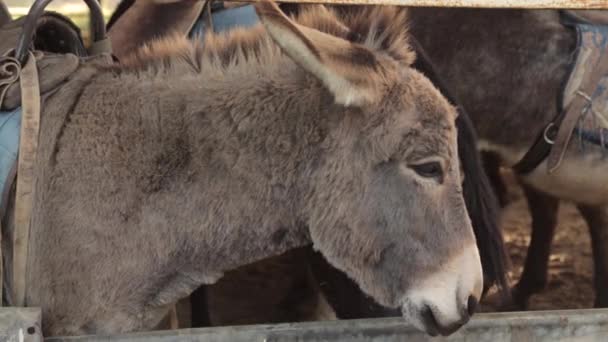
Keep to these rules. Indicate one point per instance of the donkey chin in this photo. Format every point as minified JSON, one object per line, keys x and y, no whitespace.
{"x":446,"y":300}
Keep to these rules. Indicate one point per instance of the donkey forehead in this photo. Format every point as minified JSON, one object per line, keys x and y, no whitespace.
{"x":431,"y":105}
{"x":431,"y":132}
{"x":431,"y":142}
{"x":418,"y":102}
{"x":436,"y":121}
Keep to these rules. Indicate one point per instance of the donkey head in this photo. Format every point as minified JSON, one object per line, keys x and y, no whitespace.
{"x":386,"y":202}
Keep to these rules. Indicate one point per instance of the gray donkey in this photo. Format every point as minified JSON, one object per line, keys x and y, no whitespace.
{"x":160,"y":174}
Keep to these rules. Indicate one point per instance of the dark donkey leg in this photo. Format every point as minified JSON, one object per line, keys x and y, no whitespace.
{"x":597,"y":221}
{"x":199,"y":308}
{"x":491,"y":165}
{"x":278,"y":289}
{"x":543,"y":209}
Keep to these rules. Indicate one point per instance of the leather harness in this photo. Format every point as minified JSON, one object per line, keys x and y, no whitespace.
{"x":19,"y":63}
{"x":582,"y":89}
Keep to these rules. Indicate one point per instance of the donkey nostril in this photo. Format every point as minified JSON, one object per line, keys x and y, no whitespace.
{"x":471,"y":305}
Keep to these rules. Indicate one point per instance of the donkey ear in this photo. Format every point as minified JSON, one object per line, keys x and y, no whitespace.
{"x":349,"y":71}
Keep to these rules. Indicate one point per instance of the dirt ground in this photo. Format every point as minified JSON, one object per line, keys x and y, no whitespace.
{"x":570,"y":267}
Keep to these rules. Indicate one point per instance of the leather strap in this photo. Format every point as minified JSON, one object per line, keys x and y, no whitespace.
{"x":100,"y":47}
{"x":586,"y":73}
{"x":28,"y":145}
{"x":564,"y":134}
{"x":579,"y":92}
{"x":541,"y":147}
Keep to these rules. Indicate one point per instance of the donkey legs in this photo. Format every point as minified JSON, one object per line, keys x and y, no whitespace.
{"x":199,"y":308}
{"x":273,"y":290}
{"x":597,"y":221}
{"x":491,"y":165}
{"x":543,"y":209}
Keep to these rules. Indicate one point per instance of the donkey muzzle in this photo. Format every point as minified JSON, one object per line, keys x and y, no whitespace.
{"x":446,"y":300}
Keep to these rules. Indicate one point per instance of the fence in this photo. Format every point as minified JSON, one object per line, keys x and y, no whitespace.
{"x":530,"y":4}
{"x":533,"y":326}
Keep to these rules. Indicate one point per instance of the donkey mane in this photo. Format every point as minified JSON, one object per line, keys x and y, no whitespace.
{"x":375,"y":28}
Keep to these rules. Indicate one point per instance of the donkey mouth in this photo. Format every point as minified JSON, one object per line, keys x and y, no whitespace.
{"x":425,"y":319}
{"x":434,"y":328}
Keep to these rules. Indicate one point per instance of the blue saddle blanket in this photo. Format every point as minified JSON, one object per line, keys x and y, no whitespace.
{"x":10,"y":129}
{"x":226,"y":19}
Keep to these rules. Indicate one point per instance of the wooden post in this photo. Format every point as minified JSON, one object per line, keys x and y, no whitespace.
{"x":529,"y":4}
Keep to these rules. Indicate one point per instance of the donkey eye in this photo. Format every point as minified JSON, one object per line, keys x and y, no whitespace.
{"x":429,"y":170}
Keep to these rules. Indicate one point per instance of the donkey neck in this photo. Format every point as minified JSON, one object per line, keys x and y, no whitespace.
{"x":250,"y":136}
{"x":185,"y":175}
{"x":505,"y":66}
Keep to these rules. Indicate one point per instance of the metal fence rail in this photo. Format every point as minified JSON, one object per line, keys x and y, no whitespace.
{"x":530,"y":4}
{"x":533,"y":326}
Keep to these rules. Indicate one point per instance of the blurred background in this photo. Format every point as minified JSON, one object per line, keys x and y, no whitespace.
{"x":75,"y":9}
{"x":20,"y":7}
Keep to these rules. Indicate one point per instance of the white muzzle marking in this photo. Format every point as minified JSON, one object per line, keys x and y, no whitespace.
{"x":446,"y":294}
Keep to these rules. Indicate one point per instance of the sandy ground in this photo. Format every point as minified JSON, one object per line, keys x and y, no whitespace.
{"x":570,"y":283}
